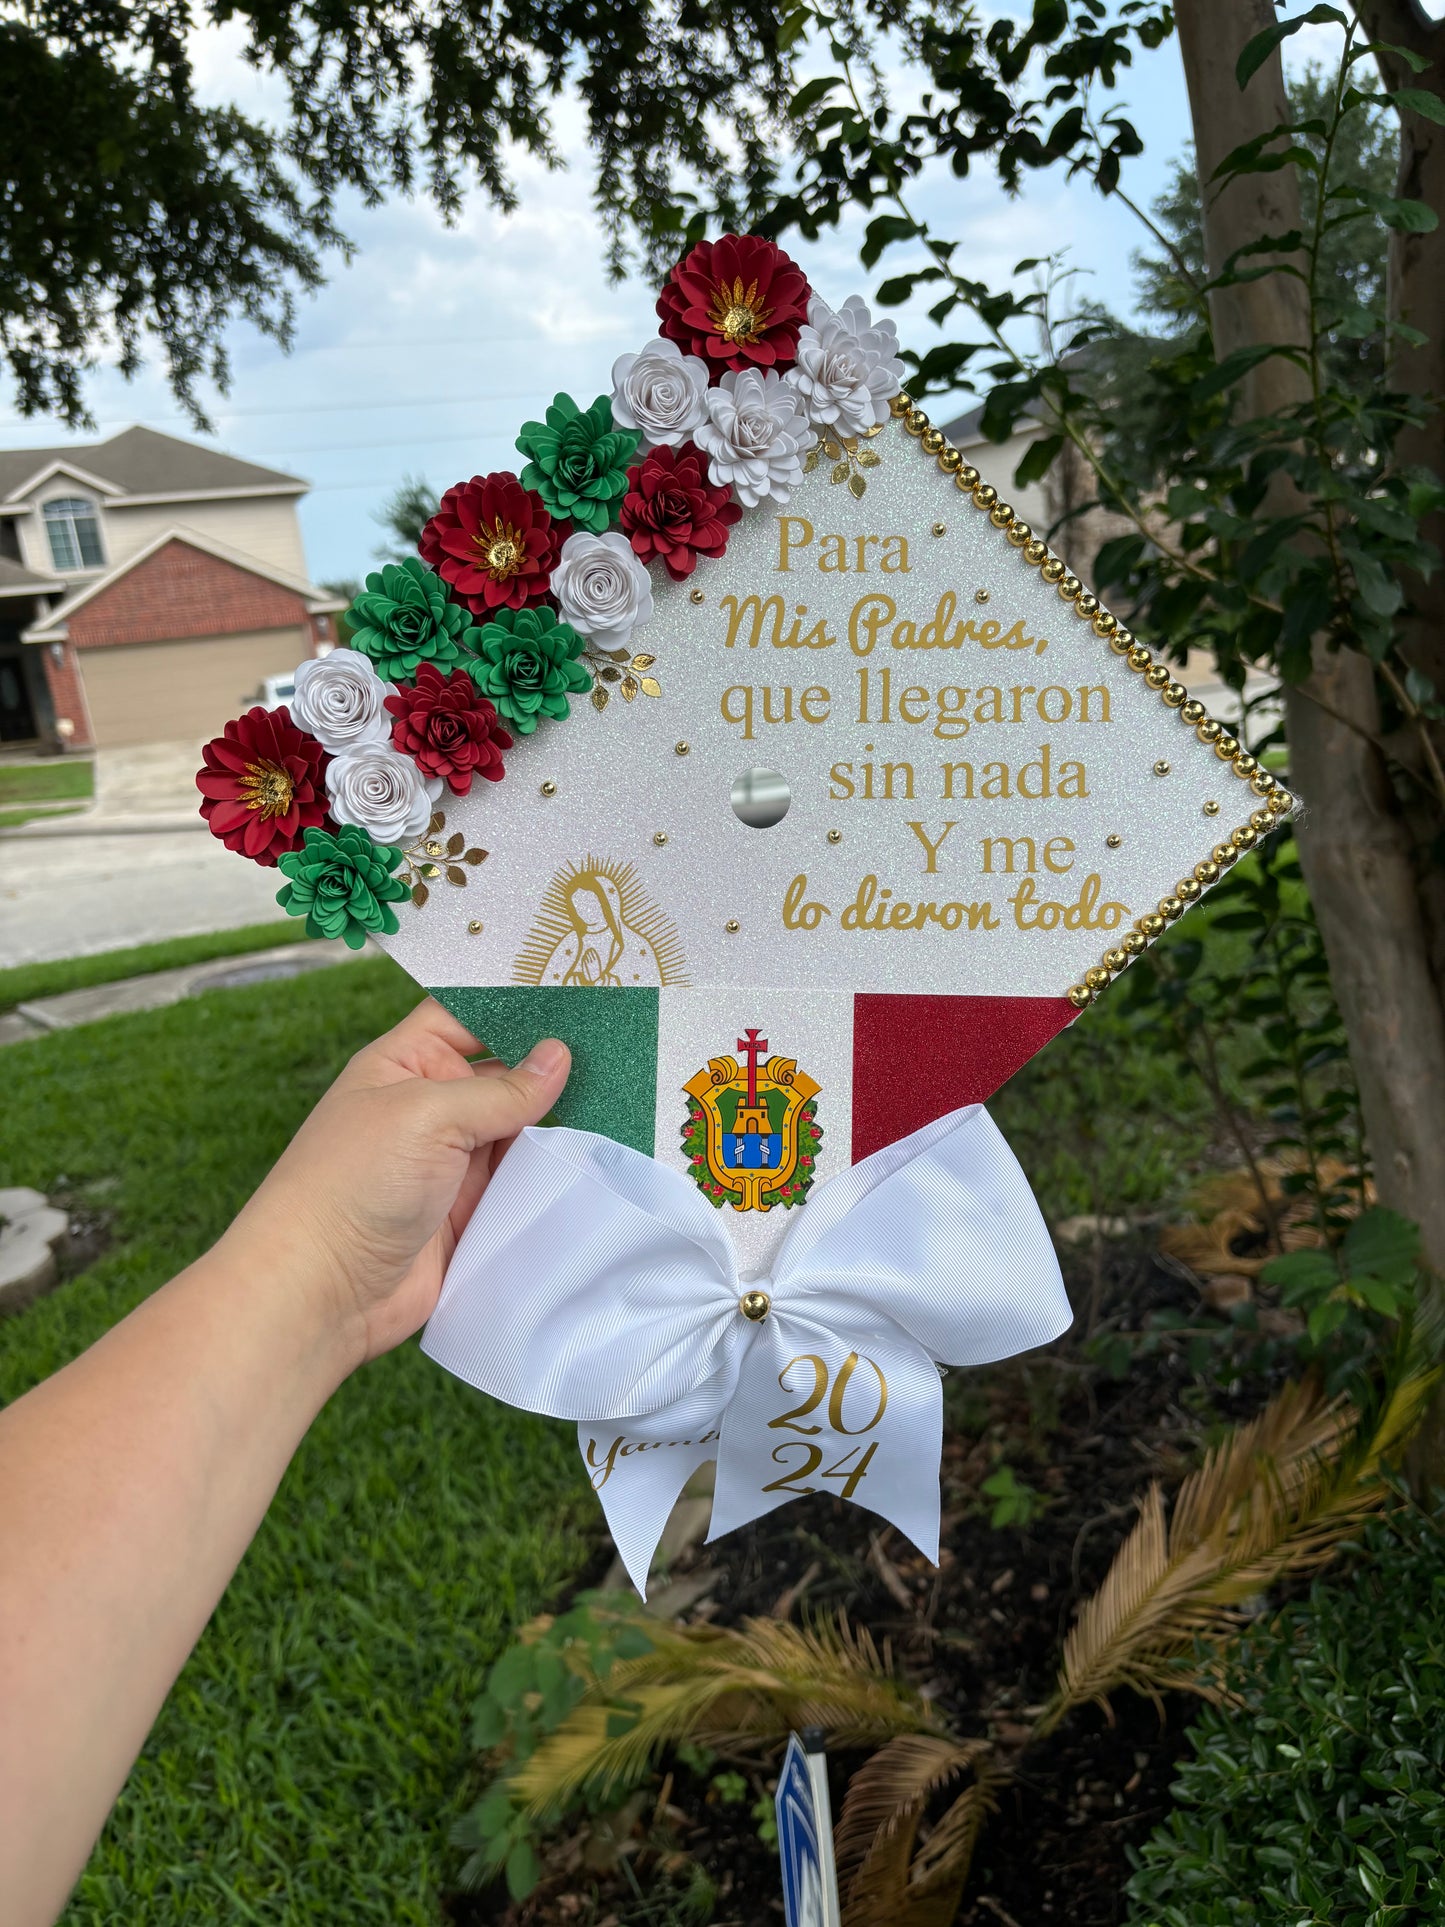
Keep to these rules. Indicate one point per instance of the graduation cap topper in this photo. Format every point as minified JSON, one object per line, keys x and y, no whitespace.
{"x":747,"y":741}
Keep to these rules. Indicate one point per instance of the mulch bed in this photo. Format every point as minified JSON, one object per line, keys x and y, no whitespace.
{"x":983,"y":1632}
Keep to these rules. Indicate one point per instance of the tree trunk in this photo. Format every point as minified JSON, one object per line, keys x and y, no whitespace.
{"x":1354,"y":843}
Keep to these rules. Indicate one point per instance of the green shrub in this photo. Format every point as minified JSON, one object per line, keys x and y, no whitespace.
{"x":1320,"y":1796}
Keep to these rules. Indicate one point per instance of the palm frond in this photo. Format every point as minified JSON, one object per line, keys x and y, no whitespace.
{"x":716,"y":1686}
{"x":880,"y":1875}
{"x":1277,"y":1497}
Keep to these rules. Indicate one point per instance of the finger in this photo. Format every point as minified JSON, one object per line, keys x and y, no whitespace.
{"x":431,"y":1023}
{"x":428,"y":1042}
{"x":483,"y":1109}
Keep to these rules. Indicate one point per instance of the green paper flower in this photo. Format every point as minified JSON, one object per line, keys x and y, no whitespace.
{"x":404,"y":617}
{"x":577,"y":462}
{"x":341,"y":882}
{"x":526,"y":664}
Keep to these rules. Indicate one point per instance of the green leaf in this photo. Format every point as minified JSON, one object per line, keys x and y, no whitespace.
{"x":811,"y":92}
{"x":523,"y":1871}
{"x":1382,"y":1242}
{"x":1235,"y":366}
{"x":1256,"y":51}
{"x":1419,"y":100}
{"x":489,"y":1724}
{"x":1038,"y":459}
{"x":1301,"y":1274}
{"x":793,"y":27}
{"x":512,"y":1676}
{"x":882,"y":233}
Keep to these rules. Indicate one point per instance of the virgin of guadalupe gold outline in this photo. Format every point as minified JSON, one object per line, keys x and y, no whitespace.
{"x":625,"y":911}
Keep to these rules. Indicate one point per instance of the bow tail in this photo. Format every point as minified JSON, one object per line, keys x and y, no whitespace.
{"x":856,"y":1411}
{"x":637,"y":1469}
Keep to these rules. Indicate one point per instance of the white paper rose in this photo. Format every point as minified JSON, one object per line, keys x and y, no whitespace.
{"x":847,"y":369}
{"x":602,"y":587}
{"x":660,"y":391}
{"x":340,"y":701}
{"x":382,"y":792}
{"x":756,"y":436}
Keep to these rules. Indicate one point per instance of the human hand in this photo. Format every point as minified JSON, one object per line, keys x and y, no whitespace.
{"x":367,"y":1203}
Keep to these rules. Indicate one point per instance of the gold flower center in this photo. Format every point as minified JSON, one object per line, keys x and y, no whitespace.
{"x":503,"y":550}
{"x":268,"y":788}
{"x":736,"y":312}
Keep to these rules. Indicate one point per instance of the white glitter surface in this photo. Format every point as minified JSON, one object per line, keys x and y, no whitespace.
{"x":619,"y":781}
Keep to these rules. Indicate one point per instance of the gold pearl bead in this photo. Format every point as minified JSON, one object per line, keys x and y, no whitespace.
{"x":1020,"y":534}
{"x":1131,"y":942}
{"x":549,"y":788}
{"x":1161,"y":768}
{"x":967,"y":478}
{"x":1225,"y":747}
{"x":1070,"y":588}
{"x":1261,"y":782}
{"x":1192,"y":712}
{"x":1280,"y":801}
{"x":949,"y":459}
{"x":1206,"y":871}
{"x":1151,"y":924}
{"x":1080,"y":996}
{"x":1170,"y":908}
{"x":915,"y":421}
{"x":900,"y":404}
{"x":1245,"y":838}
{"x":681,"y":749}
{"x":1053,"y":569}
{"x":940,"y":528}
{"x":1224,"y":854}
{"x":1000,"y":515}
{"x":984,"y":495}
{"x":697,"y":596}
{"x":1174,"y":694}
{"x":1157,"y":676}
{"x":754,"y":1306}
{"x":659,"y":837}
{"x":1035,"y":551}
{"x":1116,"y":960}
{"x":1208,"y":731}
{"x":835,"y":836}
{"x":1096,"y":978}
{"x":980,"y":595}
{"x":1138,"y":657}
{"x":932,"y":442}
{"x":1244,"y":764}
{"x":1105,"y":625}
{"x":474,"y":924}
{"x":1087,"y":606}
{"x":1187,"y":888}
{"x":1113,"y":839}
{"x":1261,"y":821}
{"x":1121,"y":642}
{"x":732,"y":926}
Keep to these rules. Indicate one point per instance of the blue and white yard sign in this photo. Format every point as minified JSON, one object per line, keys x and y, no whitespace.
{"x":805,"y":1843}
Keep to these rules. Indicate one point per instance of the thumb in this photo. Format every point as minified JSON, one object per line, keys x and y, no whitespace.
{"x":483,"y":1109}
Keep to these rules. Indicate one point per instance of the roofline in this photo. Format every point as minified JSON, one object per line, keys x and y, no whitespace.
{"x":44,"y":587}
{"x":60,"y":466}
{"x":51,"y":627}
{"x":292,"y":487}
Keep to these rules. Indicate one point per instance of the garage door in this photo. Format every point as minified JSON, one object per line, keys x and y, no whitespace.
{"x":157,"y":692}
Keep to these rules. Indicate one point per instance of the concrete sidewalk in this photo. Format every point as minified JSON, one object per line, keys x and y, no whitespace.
{"x":141,"y":790}
{"x":162,"y":987}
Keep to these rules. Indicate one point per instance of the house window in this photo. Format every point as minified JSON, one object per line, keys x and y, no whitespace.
{"x":74,"y":531}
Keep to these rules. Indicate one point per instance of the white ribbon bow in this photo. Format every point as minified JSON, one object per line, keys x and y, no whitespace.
{"x":596,"y":1284}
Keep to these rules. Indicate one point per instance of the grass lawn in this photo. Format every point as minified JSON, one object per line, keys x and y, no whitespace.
{"x":30,"y":813}
{"x":24,"y":982}
{"x":46,"y":782}
{"x":310,"y":1760}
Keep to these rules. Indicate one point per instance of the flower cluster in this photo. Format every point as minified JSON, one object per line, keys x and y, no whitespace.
{"x":529,"y":589}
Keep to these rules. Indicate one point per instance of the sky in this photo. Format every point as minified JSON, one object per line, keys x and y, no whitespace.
{"x":427,"y":353}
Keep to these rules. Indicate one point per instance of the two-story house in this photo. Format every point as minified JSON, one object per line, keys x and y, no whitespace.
{"x":147,"y":588}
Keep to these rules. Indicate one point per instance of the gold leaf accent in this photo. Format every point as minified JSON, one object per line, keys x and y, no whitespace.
{"x":599,"y":697}
{"x":419,"y":894}
{"x":613,"y":655}
{"x":610,"y":674}
{"x":431,"y":870}
{"x":438,"y":822}
{"x":629,"y":689}
{"x":869,"y":458}
{"x":831,"y":448}
{"x":649,"y":685}
{"x":811,"y":461}
{"x":857,"y":487}
{"x":840,"y":473}
{"x":850,"y":442}
{"x":643,"y":662}
{"x":475,"y":856}
{"x":456,"y":844}
{"x":455,"y":875}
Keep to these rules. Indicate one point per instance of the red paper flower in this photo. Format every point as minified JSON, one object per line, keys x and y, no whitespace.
{"x":671,"y":511}
{"x":262,"y":785}
{"x":738,"y":302}
{"x":448,"y":728}
{"x":494,"y":542}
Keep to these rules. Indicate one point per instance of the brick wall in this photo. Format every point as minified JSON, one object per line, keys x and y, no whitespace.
{"x":67,"y":694}
{"x":182,"y":591}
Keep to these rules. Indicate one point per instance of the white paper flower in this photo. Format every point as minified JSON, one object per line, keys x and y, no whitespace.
{"x":847,"y":369}
{"x":660,"y":391}
{"x":382,"y":792}
{"x":756,"y":436}
{"x":603,"y":587}
{"x":340,"y":701}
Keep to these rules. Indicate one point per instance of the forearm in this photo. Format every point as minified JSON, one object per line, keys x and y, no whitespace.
{"x":130,"y":1485}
